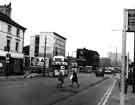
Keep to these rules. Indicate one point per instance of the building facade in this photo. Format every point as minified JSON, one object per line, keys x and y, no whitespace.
{"x":50,"y":43}
{"x":11,"y":42}
{"x":87,"y":57}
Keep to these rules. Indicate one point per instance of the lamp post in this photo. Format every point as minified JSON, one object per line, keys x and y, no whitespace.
{"x":8,"y":57}
{"x":123,"y":70}
{"x":45,"y":57}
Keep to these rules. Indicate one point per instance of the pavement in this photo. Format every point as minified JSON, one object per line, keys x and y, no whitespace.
{"x":115,"y":96}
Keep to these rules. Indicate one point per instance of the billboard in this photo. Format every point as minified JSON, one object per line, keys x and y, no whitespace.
{"x":130,"y":20}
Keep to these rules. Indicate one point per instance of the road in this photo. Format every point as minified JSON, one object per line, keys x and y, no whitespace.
{"x":43,"y":91}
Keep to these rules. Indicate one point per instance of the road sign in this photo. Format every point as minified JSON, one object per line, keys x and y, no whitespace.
{"x":131,"y":20}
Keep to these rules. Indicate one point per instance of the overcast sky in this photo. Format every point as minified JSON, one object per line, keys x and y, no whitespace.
{"x":93,"y":24}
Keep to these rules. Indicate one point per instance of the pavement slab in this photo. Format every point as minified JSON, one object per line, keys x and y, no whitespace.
{"x":115,"y":96}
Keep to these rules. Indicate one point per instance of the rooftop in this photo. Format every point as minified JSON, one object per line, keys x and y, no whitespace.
{"x":8,"y":20}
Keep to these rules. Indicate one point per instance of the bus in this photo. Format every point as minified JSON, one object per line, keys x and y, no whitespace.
{"x":59,"y":63}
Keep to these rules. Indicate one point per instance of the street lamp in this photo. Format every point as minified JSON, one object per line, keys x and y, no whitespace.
{"x":45,"y":57}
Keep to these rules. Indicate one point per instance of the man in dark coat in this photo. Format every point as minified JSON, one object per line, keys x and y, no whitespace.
{"x":75,"y":79}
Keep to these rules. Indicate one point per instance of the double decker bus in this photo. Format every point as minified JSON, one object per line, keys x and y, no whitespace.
{"x":59,"y":63}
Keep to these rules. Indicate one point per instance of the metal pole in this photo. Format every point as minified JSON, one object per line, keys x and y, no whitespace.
{"x":116,"y":58}
{"x":134,"y":67}
{"x":122,"y":95}
{"x":127,"y":65}
{"x":45,"y":57}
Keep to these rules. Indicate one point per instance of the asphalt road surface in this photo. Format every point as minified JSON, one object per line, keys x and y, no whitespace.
{"x":43,"y":91}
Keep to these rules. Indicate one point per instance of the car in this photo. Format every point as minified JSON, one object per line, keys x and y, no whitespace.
{"x":108,"y":71}
{"x":99,"y":72}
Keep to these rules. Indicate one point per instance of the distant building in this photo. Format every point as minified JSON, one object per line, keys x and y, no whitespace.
{"x":115,"y":58}
{"x":55,"y":45}
{"x":11,"y":40}
{"x":26,"y":50}
{"x":87,"y":57}
{"x":105,"y":62}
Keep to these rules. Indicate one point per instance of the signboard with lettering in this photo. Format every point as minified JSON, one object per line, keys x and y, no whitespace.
{"x":131,"y":20}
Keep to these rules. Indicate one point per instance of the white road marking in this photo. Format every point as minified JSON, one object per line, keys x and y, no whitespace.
{"x":106,"y":96}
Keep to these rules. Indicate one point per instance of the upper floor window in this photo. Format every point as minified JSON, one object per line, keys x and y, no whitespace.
{"x":9,"y":28}
{"x":18,"y":32}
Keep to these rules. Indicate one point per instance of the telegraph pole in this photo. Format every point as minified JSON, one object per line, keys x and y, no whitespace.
{"x":122,"y":95}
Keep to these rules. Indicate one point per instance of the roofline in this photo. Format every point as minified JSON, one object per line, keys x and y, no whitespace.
{"x":50,"y":32}
{"x":59,"y":35}
{"x":8,"y":20}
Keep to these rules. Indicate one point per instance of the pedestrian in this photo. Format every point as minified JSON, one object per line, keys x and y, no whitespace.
{"x":75,"y":79}
{"x":60,"y":79}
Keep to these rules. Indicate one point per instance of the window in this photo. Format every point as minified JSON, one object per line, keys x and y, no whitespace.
{"x":18,"y":32}
{"x":9,"y":29}
{"x":8,"y":44}
{"x":17,"y":46}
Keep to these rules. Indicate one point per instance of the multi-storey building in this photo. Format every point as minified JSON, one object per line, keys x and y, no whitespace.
{"x":11,"y":41}
{"x":87,"y":57}
{"x":54,"y":43}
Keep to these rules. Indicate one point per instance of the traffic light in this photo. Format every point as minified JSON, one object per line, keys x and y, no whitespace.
{"x":8,"y":57}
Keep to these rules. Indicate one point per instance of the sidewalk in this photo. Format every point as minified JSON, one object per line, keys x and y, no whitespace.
{"x":11,"y":77}
{"x":115,"y":96}
{"x":19,"y":77}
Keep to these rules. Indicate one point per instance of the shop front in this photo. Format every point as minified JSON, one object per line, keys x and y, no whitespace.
{"x":11,"y":66}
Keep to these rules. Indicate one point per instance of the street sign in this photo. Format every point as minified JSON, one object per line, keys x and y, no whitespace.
{"x":131,"y":20}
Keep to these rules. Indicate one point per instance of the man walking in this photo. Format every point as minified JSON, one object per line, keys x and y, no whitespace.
{"x":60,"y":79}
{"x":75,"y":79}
